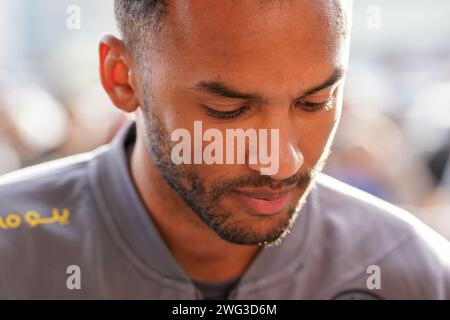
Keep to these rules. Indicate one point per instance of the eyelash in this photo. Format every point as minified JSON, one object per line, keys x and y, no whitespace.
{"x":311,"y":107}
{"x":229,"y":115}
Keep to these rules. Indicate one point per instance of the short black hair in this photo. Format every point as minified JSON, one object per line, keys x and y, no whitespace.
{"x":136,"y":18}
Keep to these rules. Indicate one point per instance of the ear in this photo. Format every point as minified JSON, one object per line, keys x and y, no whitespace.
{"x":115,"y":73}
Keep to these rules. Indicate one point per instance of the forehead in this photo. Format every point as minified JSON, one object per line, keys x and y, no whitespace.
{"x":273,"y":41}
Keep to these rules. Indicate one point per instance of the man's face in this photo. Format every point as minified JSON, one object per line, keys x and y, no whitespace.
{"x":251,"y":65}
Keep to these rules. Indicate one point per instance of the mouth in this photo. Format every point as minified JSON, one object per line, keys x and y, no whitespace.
{"x":264,"y":201}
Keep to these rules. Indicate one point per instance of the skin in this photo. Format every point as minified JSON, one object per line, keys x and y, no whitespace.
{"x":276,"y":55}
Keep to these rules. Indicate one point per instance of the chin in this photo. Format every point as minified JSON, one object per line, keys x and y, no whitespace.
{"x":250,"y":229}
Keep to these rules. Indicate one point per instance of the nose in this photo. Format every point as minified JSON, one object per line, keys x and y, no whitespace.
{"x":290,"y":161}
{"x":285,"y":156}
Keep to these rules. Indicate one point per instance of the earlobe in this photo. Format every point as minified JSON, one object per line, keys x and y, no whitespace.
{"x":114,"y":73}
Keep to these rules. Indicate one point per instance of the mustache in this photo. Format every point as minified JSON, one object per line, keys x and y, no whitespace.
{"x":257,"y":181}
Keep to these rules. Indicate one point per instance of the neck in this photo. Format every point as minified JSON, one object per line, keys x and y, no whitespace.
{"x":202,"y":254}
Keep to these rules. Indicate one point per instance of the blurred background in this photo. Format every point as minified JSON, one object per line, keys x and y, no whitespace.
{"x":394,"y":141}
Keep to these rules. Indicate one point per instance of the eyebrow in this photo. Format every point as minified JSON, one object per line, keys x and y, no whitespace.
{"x":337,"y":75}
{"x":222,"y":90}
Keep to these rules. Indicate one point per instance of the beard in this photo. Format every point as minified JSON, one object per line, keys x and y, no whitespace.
{"x":207,"y":201}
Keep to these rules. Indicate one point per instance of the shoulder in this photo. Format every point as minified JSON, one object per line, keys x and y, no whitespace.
{"x":42,"y":174}
{"x":361,"y":230}
{"x":44,"y":203}
{"x":46,"y":214}
{"x":52,"y":184}
{"x":361,"y":211}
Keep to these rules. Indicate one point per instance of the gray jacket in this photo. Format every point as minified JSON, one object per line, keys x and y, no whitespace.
{"x":81,"y":216}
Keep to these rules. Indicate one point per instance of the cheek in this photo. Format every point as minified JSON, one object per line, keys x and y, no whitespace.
{"x":172,"y":108}
{"x":316,"y":135}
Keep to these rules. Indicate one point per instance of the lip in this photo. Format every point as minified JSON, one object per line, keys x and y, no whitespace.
{"x":264,"y":202}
